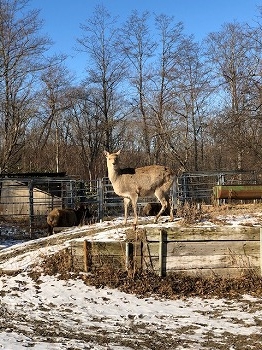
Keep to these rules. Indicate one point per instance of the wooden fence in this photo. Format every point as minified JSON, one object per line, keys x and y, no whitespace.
{"x":225,"y":251}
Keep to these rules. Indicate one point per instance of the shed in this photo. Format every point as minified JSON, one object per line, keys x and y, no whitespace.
{"x":15,"y":199}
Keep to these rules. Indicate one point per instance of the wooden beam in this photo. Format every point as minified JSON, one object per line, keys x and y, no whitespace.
{"x":162,"y":252}
{"x":260,"y":250}
{"x":130,"y":258}
{"x":87,"y":255}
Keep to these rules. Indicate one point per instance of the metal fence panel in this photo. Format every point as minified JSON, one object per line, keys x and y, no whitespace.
{"x":31,"y":199}
{"x":197,"y":187}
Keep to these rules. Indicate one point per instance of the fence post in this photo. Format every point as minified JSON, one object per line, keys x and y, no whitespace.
{"x":87,"y":256}
{"x":162,"y":253}
{"x":260,"y":244}
{"x":31,"y":206}
{"x":100,"y":199}
{"x":174,"y":194}
{"x":129,"y":258}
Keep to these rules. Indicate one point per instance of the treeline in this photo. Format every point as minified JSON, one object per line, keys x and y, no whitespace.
{"x":157,"y":94}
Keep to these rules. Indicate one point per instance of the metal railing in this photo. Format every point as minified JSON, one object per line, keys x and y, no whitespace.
{"x":30,"y":199}
{"x":197,"y":187}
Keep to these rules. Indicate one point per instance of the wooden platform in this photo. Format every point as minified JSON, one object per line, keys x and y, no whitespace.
{"x":225,"y":250}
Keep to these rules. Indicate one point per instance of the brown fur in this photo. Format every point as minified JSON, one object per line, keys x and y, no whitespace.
{"x":151,"y":209}
{"x":140,"y":182}
{"x":66,"y":217}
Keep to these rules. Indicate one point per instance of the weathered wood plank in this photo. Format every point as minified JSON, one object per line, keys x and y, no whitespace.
{"x":229,"y":272}
{"x":204,"y":248}
{"x":206,"y":262}
{"x":226,"y":250}
{"x":86,"y":254}
{"x":109,"y":260}
{"x":215,"y":261}
{"x":108,"y":248}
{"x":205,"y":233}
{"x":105,"y":248}
{"x":78,"y":262}
{"x":261,"y":251}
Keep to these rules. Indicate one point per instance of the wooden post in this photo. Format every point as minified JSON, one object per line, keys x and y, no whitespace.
{"x":260,"y":248}
{"x":31,"y":206}
{"x":100,"y":197}
{"x":130,"y":258}
{"x":162,"y":253}
{"x":87,"y":255}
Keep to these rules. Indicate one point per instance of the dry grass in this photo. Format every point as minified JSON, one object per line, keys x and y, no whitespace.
{"x":193,"y":213}
{"x":174,"y":285}
{"x":190,"y":213}
{"x":232,"y":209}
{"x":145,"y":284}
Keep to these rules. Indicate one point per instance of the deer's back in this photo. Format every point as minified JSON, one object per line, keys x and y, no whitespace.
{"x":144,"y":180}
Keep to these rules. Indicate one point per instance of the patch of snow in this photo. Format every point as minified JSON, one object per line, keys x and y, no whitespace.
{"x":57,"y":315}
{"x":67,"y":309}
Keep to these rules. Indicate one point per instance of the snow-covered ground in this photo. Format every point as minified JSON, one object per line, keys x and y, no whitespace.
{"x":50,"y":313}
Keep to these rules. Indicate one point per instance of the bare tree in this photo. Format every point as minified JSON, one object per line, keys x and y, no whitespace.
{"x":106,"y":68}
{"x":178,"y":96}
{"x":87,"y":132}
{"x":55,"y":101}
{"x":161,"y":97}
{"x":136,"y":44}
{"x":235,"y":66}
{"x":191,"y":91}
{"x":21,"y":52}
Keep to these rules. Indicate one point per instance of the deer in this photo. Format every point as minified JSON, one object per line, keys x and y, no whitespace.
{"x":66,"y":217}
{"x":131,"y":183}
{"x":151,"y":209}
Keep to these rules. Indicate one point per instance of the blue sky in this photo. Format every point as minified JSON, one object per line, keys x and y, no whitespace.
{"x":62,"y":18}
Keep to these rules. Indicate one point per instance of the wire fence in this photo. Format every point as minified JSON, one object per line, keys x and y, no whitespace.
{"x":197,"y":187}
{"x":30,"y":199}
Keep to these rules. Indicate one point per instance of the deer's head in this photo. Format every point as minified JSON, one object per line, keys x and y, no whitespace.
{"x":112,"y":159}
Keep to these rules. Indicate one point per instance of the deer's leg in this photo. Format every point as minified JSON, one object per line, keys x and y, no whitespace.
{"x":134,"y":206}
{"x":50,"y":230}
{"x":126,"y":204}
{"x":164,"y":200}
{"x":171,"y":205}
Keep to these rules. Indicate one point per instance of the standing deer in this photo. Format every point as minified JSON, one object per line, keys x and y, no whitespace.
{"x":132,"y":183}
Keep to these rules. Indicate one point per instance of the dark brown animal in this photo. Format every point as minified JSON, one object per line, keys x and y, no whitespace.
{"x":66,"y":217}
{"x":151,"y":209}
{"x":140,"y":182}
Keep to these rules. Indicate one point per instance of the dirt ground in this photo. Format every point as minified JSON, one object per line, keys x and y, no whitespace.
{"x":134,"y":331}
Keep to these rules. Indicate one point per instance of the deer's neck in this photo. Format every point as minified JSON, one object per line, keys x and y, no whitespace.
{"x":113,"y":173}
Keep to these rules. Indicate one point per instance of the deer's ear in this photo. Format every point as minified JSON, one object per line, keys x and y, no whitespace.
{"x":106,"y":153}
{"x":118,"y":152}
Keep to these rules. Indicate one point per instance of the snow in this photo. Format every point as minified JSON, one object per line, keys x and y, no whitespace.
{"x":51,"y":313}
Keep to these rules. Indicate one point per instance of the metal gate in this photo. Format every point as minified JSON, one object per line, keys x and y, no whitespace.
{"x":197,"y":187}
{"x":28,"y":200}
